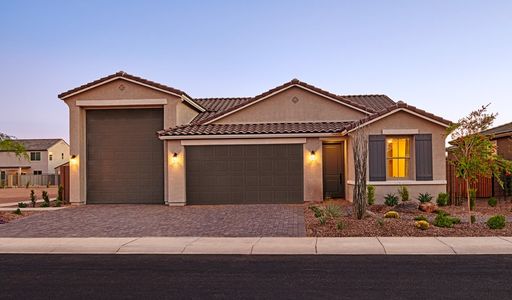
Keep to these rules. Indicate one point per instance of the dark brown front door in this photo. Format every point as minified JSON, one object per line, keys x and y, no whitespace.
{"x":125,"y":159}
{"x":333,"y":166}
{"x":244,"y":174}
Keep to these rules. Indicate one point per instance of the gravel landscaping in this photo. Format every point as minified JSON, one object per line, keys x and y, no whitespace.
{"x":8,"y":216}
{"x":378,"y":225}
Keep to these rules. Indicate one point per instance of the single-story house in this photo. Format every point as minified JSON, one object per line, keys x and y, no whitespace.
{"x":138,"y":141}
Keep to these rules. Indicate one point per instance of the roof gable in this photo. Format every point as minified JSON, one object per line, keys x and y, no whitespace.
{"x":279,"y":89}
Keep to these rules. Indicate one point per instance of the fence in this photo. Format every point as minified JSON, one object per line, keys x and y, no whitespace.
{"x":15,"y":180}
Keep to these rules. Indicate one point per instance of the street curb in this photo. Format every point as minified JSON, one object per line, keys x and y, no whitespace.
{"x":261,"y":245}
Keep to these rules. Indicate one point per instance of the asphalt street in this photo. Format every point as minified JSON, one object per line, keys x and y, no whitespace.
{"x":249,"y":277}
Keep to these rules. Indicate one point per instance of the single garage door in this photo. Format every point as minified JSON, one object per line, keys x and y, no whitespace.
{"x":243,"y":174}
{"x":125,"y":159}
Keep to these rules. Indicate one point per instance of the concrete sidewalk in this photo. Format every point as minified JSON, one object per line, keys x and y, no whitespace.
{"x":263,"y":245}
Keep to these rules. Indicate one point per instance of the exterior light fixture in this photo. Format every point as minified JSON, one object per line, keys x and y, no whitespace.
{"x":312,"y":156}
{"x":73,"y":160}
{"x":174,"y":158}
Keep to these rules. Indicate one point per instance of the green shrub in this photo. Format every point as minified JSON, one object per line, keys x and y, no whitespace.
{"x":317,"y":211}
{"x":33,"y":198}
{"x":420,"y":218}
{"x":332,"y":211}
{"x":44,"y":204}
{"x":340,"y":225}
{"x":472,"y":199}
{"x":492,"y":202}
{"x":442,"y":212}
{"x":58,"y":203}
{"x":380,"y":222}
{"x":371,"y":194}
{"x":442,"y":199}
{"x":392,"y":215}
{"x":46,"y":198}
{"x":473,"y":219}
{"x":445,"y":220}
{"x":322,"y":219}
{"x":496,"y":222}
{"x":60,"y":192}
{"x":17,"y":211}
{"x":22,"y":204}
{"x":426,"y":197}
{"x":404,"y":193}
{"x":422,"y":224}
{"x":27,"y":184}
{"x":391,"y":200}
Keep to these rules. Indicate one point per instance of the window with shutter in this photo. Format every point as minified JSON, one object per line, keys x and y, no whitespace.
{"x":423,"y":145}
{"x":377,"y":157}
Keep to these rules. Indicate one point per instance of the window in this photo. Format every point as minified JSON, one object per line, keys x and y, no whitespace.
{"x":398,"y":155}
{"x":35,"y":156}
{"x":50,"y":157}
{"x":38,"y":172}
{"x":62,"y":155}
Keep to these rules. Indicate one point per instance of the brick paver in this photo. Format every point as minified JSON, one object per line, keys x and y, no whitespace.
{"x":158,"y":220}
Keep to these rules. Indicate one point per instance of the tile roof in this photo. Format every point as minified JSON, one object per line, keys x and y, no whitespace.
{"x":499,"y":130}
{"x":257,"y":128}
{"x":375,"y":102}
{"x":216,"y":106}
{"x":397,"y":106}
{"x":38,"y":144}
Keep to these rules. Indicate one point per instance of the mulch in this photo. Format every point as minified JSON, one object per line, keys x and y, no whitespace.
{"x":404,"y":226}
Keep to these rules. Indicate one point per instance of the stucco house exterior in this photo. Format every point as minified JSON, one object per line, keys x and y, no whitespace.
{"x":137,"y":141}
{"x":43,"y":155}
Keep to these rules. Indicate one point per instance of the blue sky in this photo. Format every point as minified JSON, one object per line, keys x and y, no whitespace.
{"x":447,"y":57}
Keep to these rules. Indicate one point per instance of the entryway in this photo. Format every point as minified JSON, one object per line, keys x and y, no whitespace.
{"x":333,"y":162}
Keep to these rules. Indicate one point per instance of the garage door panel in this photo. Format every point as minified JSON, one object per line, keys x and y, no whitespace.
{"x":244,"y":174}
{"x":124,"y":157}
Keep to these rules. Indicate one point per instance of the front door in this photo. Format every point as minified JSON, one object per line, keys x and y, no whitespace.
{"x":333,"y":166}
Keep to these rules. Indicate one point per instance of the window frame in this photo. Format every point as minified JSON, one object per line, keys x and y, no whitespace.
{"x":36,"y":156}
{"x":37,"y":172}
{"x":407,"y":159}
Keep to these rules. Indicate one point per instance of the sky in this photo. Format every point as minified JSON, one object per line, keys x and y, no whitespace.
{"x":447,"y":57}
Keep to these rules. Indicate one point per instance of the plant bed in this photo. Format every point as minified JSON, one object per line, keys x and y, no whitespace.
{"x":378,"y":225}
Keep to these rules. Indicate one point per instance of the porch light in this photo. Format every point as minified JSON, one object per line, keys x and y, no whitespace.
{"x":174,"y":158}
{"x":312,"y":156}
{"x":73,"y":159}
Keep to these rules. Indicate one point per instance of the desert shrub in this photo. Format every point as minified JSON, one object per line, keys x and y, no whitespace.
{"x":46,"y":198}
{"x":442,"y":199}
{"x":472,"y":199}
{"x":33,"y":198}
{"x":473,"y":219}
{"x":445,"y":220}
{"x":22,"y":204}
{"x":404,"y":193}
{"x":60,"y":192}
{"x":340,"y":225}
{"x":371,"y":194}
{"x":426,"y":197}
{"x":58,"y":203}
{"x":17,"y":211}
{"x":496,"y":222}
{"x":48,"y":185}
{"x":391,"y":200}
{"x":392,"y":215}
{"x":322,"y":219}
{"x":380,"y":222}
{"x":332,"y":211}
{"x":442,"y":212}
{"x":317,"y":211}
{"x":44,"y":204}
{"x":422,"y":224}
{"x":27,"y":184}
{"x":420,"y":218}
{"x":492,"y":202}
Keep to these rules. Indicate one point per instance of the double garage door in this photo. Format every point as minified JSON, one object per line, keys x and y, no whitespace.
{"x":125,"y":164}
{"x":244,"y":174}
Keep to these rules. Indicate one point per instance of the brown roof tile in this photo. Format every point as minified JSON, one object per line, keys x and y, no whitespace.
{"x":258,"y":128}
{"x":375,"y":102}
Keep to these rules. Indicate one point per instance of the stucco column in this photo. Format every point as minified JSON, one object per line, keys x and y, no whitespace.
{"x":313,"y":180}
{"x":76,"y":164}
{"x":176,"y":189}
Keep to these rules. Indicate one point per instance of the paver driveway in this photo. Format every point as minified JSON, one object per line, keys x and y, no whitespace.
{"x":159,"y":220}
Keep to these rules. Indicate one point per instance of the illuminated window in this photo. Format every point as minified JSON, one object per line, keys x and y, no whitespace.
{"x":398,"y":155}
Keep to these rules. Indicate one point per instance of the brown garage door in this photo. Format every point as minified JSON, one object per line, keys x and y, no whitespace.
{"x":124,"y":156}
{"x":244,"y":174}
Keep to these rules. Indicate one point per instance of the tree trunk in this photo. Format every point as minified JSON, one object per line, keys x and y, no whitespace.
{"x":469,"y":200}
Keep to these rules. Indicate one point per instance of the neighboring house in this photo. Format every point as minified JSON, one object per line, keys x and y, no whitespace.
{"x":43,"y":155}
{"x":288,"y":145}
{"x":501,"y":136}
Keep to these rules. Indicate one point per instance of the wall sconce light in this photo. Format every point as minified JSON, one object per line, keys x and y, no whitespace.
{"x":174,"y":158}
{"x":73,"y":160}
{"x":312,"y":156}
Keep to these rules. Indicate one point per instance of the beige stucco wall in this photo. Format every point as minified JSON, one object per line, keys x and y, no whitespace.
{"x":281,"y":108}
{"x":404,"y":120}
{"x":57,"y":150}
{"x":313,"y":176}
{"x":119,"y":89}
{"x":9,"y":159}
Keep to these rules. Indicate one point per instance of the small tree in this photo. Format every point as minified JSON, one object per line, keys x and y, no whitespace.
{"x":473,"y":154}
{"x":9,"y":143}
{"x":360,"y":151}
{"x":33,"y":198}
